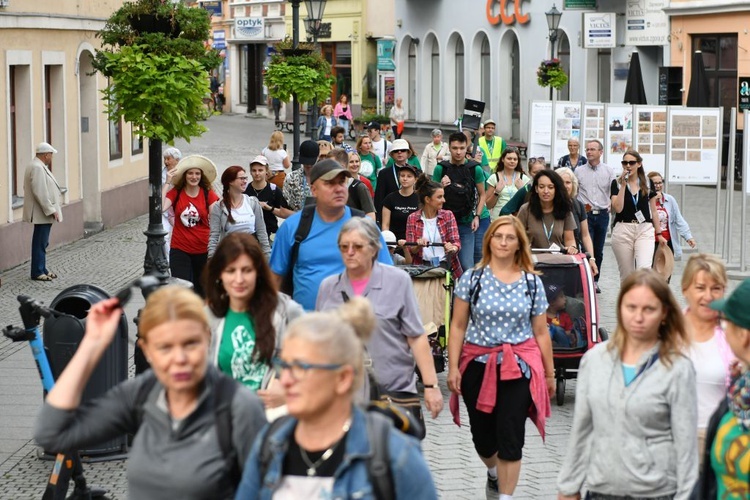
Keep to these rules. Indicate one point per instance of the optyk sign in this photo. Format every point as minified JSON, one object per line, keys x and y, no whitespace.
{"x":248,"y":27}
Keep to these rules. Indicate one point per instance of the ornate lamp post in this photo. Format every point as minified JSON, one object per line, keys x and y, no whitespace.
{"x":295,"y":103}
{"x":315,"y":9}
{"x":553,"y":22}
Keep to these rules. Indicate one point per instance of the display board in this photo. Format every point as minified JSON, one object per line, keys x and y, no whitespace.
{"x":694,"y":142}
{"x":651,"y":137}
{"x":618,"y":136}
{"x":593,"y":124}
{"x":567,"y":126}
{"x":540,"y":129}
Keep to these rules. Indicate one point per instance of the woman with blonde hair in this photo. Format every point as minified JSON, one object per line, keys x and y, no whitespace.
{"x":704,"y":280}
{"x":635,"y":394}
{"x":279,"y":163}
{"x":322,"y":449}
{"x":326,"y":121}
{"x":500,"y":352}
{"x":581,"y":232}
{"x":370,"y":162}
{"x":166,"y":408}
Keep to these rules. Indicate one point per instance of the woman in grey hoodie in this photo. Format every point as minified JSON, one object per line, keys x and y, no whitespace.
{"x":635,"y":418}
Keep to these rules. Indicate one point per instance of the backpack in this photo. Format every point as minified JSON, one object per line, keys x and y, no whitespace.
{"x":303,"y":230}
{"x":475,"y":286}
{"x":461,"y":193}
{"x":378,"y":463}
{"x":222,"y":407}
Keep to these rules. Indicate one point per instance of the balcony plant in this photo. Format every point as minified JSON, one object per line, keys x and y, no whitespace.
{"x":303,"y":71}
{"x":551,"y":74}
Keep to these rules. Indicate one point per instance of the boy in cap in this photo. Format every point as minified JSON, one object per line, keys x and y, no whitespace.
{"x":559,"y":322}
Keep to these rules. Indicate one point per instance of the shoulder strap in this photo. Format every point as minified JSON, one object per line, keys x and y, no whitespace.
{"x":303,"y":229}
{"x":532,"y":295}
{"x":266,"y":454}
{"x":176,"y":199}
{"x":475,"y":286}
{"x":142,"y":395}
{"x":223,"y":397}
{"x":378,"y":463}
{"x":357,"y":213}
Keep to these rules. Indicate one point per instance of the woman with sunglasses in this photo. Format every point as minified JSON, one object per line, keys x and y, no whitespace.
{"x":500,"y":352}
{"x":399,"y":342}
{"x":636,"y":217}
{"x":322,"y":450}
{"x":573,"y":160}
{"x":505,"y":182}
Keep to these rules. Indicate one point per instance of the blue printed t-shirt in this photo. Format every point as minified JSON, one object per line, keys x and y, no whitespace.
{"x":318,"y":257}
{"x":502,"y":310}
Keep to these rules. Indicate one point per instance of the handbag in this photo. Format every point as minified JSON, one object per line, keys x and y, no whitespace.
{"x":410,"y":403}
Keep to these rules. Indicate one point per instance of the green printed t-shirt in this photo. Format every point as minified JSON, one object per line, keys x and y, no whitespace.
{"x":236,"y":351}
{"x":730,"y":459}
{"x":479,"y":178}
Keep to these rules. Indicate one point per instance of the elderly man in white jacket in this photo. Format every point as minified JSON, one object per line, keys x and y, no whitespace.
{"x":41,"y":207}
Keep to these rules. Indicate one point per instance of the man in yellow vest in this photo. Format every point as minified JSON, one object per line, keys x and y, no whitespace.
{"x":492,"y":146}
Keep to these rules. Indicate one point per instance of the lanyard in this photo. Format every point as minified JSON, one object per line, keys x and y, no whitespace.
{"x":512,"y":182}
{"x":635,"y":198}
{"x":395,"y":175}
{"x":548,"y":233}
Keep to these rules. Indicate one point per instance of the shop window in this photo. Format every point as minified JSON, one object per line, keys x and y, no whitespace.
{"x":412,"y":100}
{"x":435,"y":81}
{"x":459,"y":77}
{"x":563,"y":53}
{"x":720,"y":59}
{"x":19,"y":77}
{"x":136,"y":140}
{"x":486,"y":77}
{"x":339,"y":56}
{"x":115,"y":139}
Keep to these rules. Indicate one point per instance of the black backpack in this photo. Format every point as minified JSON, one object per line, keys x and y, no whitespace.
{"x":378,"y":463}
{"x":305,"y":224}
{"x":222,"y":406}
{"x":461,"y":193}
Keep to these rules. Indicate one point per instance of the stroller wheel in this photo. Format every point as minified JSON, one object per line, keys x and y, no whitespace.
{"x":560,"y":392}
{"x":603,"y":334}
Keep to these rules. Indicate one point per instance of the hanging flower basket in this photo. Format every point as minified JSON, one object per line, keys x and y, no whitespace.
{"x":551,"y":74}
{"x":303,"y":71}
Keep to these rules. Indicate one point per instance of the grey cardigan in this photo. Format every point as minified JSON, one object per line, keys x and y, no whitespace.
{"x":219,"y":219}
{"x":168,"y":459}
{"x":638,"y":440}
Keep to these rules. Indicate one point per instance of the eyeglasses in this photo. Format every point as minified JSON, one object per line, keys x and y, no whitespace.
{"x":345,"y":247}
{"x":242,"y":177}
{"x":298,"y":369}
{"x":507,"y":238}
{"x":658,"y":183}
{"x":539,"y":159}
{"x":629,"y":163}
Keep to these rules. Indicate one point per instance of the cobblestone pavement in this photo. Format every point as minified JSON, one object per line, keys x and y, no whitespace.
{"x":114,"y":257}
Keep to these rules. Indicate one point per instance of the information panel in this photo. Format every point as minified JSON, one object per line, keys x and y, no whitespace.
{"x":540,"y":129}
{"x":651,"y":136}
{"x":567,"y":126}
{"x":694,"y":139}
{"x":593,"y":124}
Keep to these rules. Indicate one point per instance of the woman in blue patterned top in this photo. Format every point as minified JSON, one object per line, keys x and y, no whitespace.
{"x":500,"y":352}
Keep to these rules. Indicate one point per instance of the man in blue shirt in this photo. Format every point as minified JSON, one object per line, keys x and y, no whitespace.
{"x":318,"y":255}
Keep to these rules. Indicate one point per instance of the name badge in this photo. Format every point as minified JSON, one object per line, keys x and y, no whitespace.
{"x":639,"y":217}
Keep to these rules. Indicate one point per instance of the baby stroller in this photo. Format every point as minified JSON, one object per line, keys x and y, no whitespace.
{"x":570,"y":276}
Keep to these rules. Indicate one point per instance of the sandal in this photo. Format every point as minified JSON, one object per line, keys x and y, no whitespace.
{"x":52,"y":275}
{"x":42,"y":277}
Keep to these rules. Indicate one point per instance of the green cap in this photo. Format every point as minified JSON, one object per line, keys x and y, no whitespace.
{"x":736,"y":307}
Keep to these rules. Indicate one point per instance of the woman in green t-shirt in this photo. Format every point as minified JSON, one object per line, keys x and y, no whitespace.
{"x":371,"y":164}
{"x":247,"y":315}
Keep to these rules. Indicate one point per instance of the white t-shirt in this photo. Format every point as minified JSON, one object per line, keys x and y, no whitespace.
{"x":432,"y":234}
{"x":329,"y":124}
{"x":275,"y":159}
{"x":244,"y":218}
{"x":710,"y":377}
{"x":381,"y":149}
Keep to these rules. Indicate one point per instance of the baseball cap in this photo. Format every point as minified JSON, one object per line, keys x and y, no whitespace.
{"x":373,"y":126}
{"x":489,"y":122}
{"x":408,"y":166}
{"x":327,"y":170}
{"x":260,"y":159}
{"x":44,"y":147}
{"x":552,"y":291}
{"x":308,"y":152}
{"x":390,"y":238}
{"x":734,"y":307}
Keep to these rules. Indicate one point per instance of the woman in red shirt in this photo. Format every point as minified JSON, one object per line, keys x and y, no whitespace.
{"x":191,"y":199}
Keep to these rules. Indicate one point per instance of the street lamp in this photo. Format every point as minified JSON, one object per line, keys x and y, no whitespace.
{"x":553,"y":22}
{"x":295,"y":103}
{"x":315,"y":9}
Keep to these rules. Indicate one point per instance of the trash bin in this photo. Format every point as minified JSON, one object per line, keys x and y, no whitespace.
{"x":62,"y":335}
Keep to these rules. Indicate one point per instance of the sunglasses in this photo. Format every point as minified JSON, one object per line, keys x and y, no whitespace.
{"x":539,"y":159}
{"x":629,"y":163}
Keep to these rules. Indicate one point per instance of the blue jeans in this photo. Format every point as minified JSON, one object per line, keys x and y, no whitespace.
{"x":471,"y":242}
{"x":39,"y":243}
{"x":344,"y":123}
{"x":598,"y":225}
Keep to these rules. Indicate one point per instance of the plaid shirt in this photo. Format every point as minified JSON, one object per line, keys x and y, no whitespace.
{"x":448,"y":230}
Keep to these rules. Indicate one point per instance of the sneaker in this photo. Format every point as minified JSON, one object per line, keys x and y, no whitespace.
{"x":492,"y":490}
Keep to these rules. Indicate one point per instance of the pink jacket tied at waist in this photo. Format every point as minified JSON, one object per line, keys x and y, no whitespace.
{"x":528,"y":351}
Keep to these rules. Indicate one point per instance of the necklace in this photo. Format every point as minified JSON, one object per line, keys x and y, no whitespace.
{"x":257,"y":193}
{"x":312,"y":467}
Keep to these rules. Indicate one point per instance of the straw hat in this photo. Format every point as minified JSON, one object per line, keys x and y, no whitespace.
{"x":664,"y":261}
{"x":195,"y":161}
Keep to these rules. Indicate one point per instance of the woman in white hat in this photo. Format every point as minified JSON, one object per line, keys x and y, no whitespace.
{"x":191,"y":198}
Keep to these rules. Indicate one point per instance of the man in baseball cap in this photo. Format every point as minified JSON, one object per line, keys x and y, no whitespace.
{"x":388,"y":177}
{"x":318,"y":255}
{"x":492,"y":147}
{"x":296,"y":189}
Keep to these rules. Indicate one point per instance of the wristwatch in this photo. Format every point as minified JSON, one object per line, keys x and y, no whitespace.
{"x":431,"y":386}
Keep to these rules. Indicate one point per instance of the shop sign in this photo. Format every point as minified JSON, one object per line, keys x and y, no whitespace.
{"x":386,"y":51}
{"x":579,"y":4}
{"x":497,"y":12}
{"x":598,"y":30}
{"x":220,"y":39}
{"x":646,"y":23}
{"x":325,"y":30}
{"x":249,"y":28}
{"x":743,"y":99}
{"x":213,"y":7}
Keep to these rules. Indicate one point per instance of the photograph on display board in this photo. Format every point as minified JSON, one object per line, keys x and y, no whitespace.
{"x":619,"y":143}
{"x":567,"y":125}
{"x":687,"y":126}
{"x":594,"y":123}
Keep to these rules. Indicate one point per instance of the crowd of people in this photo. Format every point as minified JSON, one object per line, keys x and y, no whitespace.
{"x":299,"y":317}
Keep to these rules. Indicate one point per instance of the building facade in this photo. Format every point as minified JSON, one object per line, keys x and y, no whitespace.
{"x":50,"y":94}
{"x":490,"y":51}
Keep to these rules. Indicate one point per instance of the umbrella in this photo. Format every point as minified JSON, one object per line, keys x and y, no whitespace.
{"x":634,"y":91}
{"x":698,"y":92}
